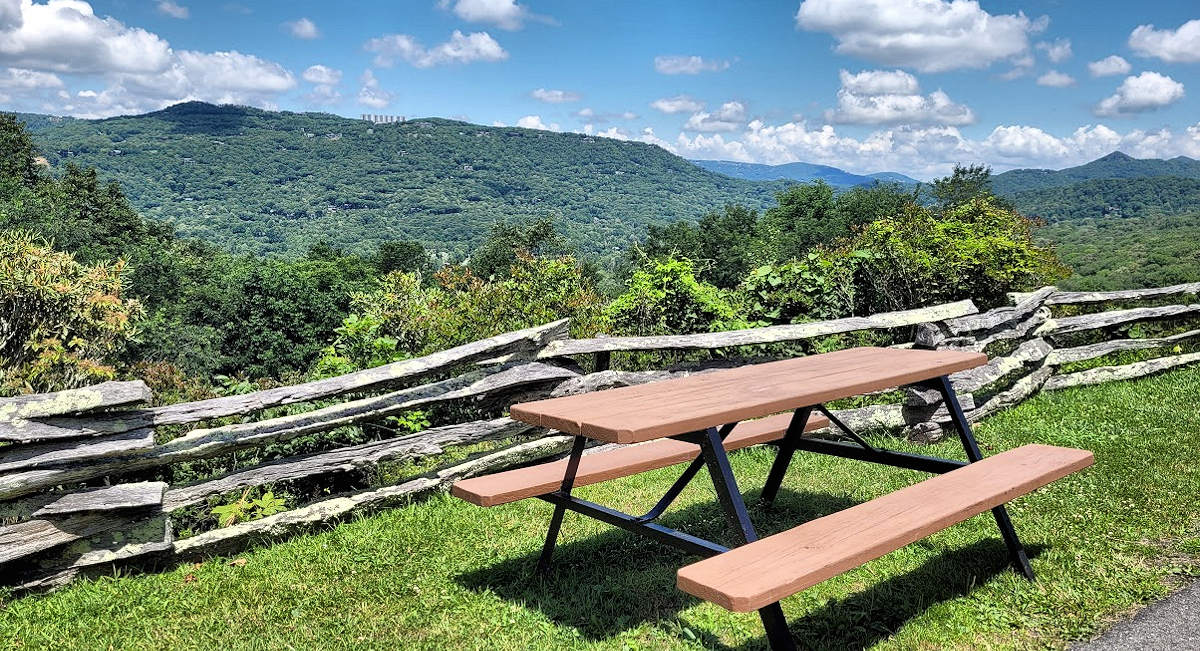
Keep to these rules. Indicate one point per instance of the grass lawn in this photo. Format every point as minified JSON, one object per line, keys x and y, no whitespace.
{"x":444,"y":574}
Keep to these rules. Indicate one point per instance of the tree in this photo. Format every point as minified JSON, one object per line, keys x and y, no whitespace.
{"x":967,"y":182}
{"x":722,"y":246}
{"x":536,"y":237}
{"x":64,"y":324}
{"x":406,"y":256}
{"x":802,"y":219}
{"x":18,"y":161}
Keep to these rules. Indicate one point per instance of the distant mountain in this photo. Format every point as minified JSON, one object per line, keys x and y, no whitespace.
{"x":1116,"y":198}
{"x":279,"y":182}
{"x":802,"y":172}
{"x":1113,"y":166}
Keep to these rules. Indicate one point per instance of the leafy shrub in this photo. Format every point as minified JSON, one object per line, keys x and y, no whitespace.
{"x":63,"y":323}
{"x":978,"y":249}
{"x":403,"y":317}
{"x":821,"y":286}
{"x":664,"y":297}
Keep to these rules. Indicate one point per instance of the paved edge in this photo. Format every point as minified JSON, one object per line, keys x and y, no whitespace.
{"x":1171,"y":623}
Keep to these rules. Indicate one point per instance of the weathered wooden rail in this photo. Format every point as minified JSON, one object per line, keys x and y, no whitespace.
{"x":80,"y":474}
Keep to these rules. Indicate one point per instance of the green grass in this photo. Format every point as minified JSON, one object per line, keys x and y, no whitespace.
{"x":443,"y":574}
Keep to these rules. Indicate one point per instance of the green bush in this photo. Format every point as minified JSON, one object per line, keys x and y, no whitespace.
{"x":819,"y":287}
{"x":63,"y":323}
{"x":664,"y":297}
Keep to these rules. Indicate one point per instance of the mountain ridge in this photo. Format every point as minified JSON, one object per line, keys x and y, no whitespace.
{"x":1115,"y":165}
{"x":801,"y":172}
{"x":273,"y":182}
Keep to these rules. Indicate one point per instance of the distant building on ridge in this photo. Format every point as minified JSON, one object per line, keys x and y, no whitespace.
{"x":382,"y":119}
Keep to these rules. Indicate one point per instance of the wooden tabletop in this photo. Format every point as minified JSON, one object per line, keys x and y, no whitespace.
{"x":671,"y":407}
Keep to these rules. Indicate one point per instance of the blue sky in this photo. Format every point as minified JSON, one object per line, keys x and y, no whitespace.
{"x":868,"y":85}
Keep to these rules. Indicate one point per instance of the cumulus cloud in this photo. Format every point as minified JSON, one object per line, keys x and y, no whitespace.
{"x":928,"y":35}
{"x":505,"y":14}
{"x":1058,"y":51}
{"x":17,"y":78}
{"x":173,"y":9}
{"x":687,"y":65}
{"x":320,"y":74}
{"x":461,"y":48}
{"x":890,"y":97}
{"x":370,"y":93}
{"x":535,"y":122}
{"x":303,"y":28}
{"x":729,"y":117}
{"x":1021,"y":66}
{"x":924,"y":152}
{"x":1172,"y":45}
{"x":554,"y":96}
{"x":66,"y":36}
{"x":139,"y":69}
{"x":1140,"y":93}
{"x":326,"y":79}
{"x":1056,"y":79}
{"x":1109,"y":65}
{"x":592,"y":115}
{"x":677,"y":104}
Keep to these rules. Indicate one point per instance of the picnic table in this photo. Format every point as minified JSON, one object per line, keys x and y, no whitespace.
{"x":700,"y":418}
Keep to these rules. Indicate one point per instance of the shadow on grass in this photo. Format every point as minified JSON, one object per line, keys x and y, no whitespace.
{"x":605,"y":584}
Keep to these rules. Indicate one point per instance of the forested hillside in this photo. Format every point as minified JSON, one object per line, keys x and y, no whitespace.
{"x":801,"y":172}
{"x":1127,"y":198}
{"x":1113,"y":166}
{"x":256,"y":181}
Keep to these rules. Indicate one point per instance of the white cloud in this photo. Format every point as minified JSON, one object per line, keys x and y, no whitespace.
{"x":320,"y":74}
{"x":303,"y":28}
{"x":535,"y":122}
{"x":729,"y":117}
{"x":893,"y":96}
{"x":1109,"y":65}
{"x":17,"y":78}
{"x":505,"y":14}
{"x":324,"y":92}
{"x":1056,"y":79}
{"x":1144,"y":92}
{"x":323,"y":95}
{"x":1174,"y":46}
{"x":10,"y":14}
{"x":66,"y":36}
{"x":554,"y":96}
{"x":1022,"y":65}
{"x":687,"y":65}
{"x":461,"y":48}
{"x":928,"y":35}
{"x":677,"y":104}
{"x":925,"y":152}
{"x":173,"y":9}
{"x":140,"y":70}
{"x":370,"y":93}
{"x":1058,"y":51}
{"x":593,"y":116}
{"x":879,"y":82}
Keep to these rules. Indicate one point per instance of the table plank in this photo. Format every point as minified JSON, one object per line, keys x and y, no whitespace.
{"x":660,"y":409}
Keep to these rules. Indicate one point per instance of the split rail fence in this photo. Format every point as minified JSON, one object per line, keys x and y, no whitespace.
{"x":81,"y":470}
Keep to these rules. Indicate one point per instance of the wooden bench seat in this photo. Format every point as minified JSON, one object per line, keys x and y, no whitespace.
{"x":521,"y":483}
{"x":763,"y":572}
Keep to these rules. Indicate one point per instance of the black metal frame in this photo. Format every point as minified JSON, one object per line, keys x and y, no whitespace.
{"x":714,"y":457}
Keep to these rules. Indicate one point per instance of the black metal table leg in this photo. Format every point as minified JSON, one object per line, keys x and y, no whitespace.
{"x":783,"y":458}
{"x":543,"y":563}
{"x":1016,"y":551}
{"x":717,"y":460}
